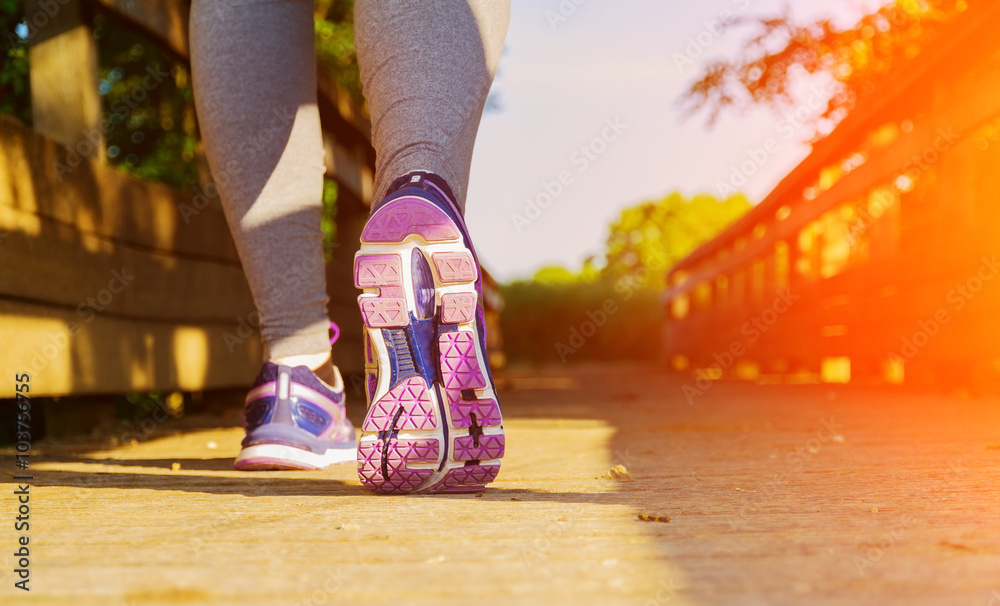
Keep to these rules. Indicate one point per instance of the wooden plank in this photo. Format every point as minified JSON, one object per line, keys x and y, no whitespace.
{"x":63,"y":54}
{"x":56,"y":264}
{"x":348,"y":167}
{"x":164,"y":19}
{"x":775,"y":495}
{"x":68,"y":354}
{"x":39,"y":176}
{"x":352,"y":124}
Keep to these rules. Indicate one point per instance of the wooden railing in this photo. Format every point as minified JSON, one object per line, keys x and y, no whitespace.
{"x":875,"y":259}
{"x":104,"y":288}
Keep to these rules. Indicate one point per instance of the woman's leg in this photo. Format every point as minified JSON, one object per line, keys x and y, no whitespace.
{"x":433,"y":421}
{"x":254,"y":69}
{"x":427,"y":66}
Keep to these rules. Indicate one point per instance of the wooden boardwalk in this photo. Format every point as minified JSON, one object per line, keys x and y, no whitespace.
{"x":776,"y":495}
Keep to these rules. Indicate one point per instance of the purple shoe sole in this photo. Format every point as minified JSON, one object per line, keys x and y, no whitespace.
{"x":420,"y":435}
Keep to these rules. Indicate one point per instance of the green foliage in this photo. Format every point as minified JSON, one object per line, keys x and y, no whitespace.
{"x":555,"y":275}
{"x":651,"y":237}
{"x":335,"y":45}
{"x":857,"y":57}
{"x":328,"y":222}
{"x":616,"y":312}
{"x":579,"y":321}
{"x":149,"y":123}
{"x":15,"y":87}
{"x":148,"y":120}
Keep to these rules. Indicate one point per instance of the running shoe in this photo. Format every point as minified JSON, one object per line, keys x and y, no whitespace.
{"x":293,"y":420}
{"x":433,"y":421}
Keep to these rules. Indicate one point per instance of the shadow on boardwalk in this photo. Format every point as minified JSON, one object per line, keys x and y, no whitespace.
{"x":775,"y":494}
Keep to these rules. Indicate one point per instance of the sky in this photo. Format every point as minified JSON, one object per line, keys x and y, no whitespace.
{"x":589,"y":123}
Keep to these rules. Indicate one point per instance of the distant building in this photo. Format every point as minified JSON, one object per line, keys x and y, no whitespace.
{"x":876,"y":259}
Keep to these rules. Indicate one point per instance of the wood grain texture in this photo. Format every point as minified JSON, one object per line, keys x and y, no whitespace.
{"x":66,"y":352}
{"x":151,"y":291}
{"x":97,"y":199}
{"x":776,"y":495}
{"x":63,"y":55}
{"x":164,"y":19}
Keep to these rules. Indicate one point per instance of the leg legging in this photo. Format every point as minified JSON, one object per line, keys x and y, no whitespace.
{"x":426,"y":68}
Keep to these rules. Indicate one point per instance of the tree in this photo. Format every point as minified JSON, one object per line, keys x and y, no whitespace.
{"x":781,"y":50}
{"x":649,"y":238}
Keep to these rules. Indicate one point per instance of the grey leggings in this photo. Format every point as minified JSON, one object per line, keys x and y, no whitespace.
{"x":426,"y":68}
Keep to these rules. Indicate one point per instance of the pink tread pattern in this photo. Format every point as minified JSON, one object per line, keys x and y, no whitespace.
{"x":400,"y":478}
{"x":455,"y":267}
{"x":412,"y":396}
{"x":487,"y":411}
{"x":468,"y":478}
{"x":457,"y":308}
{"x":411,"y":402}
{"x":383,"y":313}
{"x":409,"y":216}
{"x":398,"y":455}
{"x":490,"y":447}
{"x":377,"y":270}
{"x":459,"y":365}
{"x":388,"y":308}
{"x":401,"y":451}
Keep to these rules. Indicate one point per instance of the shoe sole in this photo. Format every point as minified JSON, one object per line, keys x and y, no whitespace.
{"x":263,"y":457}
{"x":443,"y":437}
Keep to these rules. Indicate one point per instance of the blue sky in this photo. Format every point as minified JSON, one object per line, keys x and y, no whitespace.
{"x":591,"y":100}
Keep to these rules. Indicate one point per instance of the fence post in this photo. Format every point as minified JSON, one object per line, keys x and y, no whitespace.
{"x":65,"y":101}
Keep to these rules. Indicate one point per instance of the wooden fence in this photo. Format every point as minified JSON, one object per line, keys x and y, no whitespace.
{"x":104,"y":286}
{"x":876,"y":258}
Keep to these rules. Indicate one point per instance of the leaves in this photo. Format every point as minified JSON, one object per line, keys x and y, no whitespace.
{"x":15,"y":90}
{"x":780,"y":50}
{"x":612,"y":313}
{"x":335,"y":45}
{"x":651,"y":237}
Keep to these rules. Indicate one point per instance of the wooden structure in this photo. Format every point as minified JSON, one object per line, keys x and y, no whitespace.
{"x":876,"y":258}
{"x":105,"y":286}
{"x":777,"y":494}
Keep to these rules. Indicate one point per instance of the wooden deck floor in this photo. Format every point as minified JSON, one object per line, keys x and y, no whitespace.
{"x":775,"y":494}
